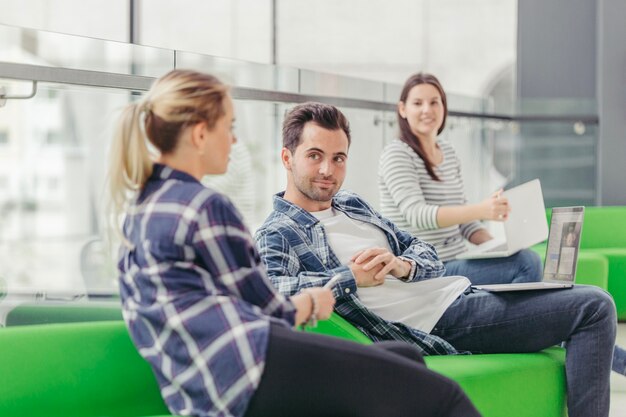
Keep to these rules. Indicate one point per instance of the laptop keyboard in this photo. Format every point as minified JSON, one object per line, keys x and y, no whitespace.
{"x":499,"y":248}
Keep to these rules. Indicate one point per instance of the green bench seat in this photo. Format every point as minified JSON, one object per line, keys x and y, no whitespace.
{"x":46,"y":312}
{"x":604,"y":235}
{"x":75,"y":369}
{"x":616,"y":258}
{"x":92,"y":369}
{"x":591,"y":269}
{"x":512,"y":385}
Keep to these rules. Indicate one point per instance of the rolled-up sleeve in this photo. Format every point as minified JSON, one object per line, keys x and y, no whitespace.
{"x":285,"y":270}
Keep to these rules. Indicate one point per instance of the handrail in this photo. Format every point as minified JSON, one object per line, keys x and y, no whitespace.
{"x":38,"y":73}
{"x":90,"y":78}
{"x":33,"y":91}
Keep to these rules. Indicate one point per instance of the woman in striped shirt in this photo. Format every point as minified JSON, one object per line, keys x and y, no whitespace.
{"x":196,"y":298}
{"x":422,"y":192}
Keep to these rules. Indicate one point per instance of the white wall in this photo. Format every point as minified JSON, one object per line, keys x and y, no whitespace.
{"x":465,"y":43}
{"x":104,"y":19}
{"x":238,"y":29}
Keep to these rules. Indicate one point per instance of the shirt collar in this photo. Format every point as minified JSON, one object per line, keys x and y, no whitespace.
{"x":162,"y":172}
{"x":297,"y":213}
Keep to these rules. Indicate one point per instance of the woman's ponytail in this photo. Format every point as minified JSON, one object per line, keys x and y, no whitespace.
{"x":130,"y":161}
{"x":176,"y":100}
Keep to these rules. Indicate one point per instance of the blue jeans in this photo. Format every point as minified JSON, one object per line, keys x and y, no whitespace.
{"x":524,"y":266}
{"x":582,"y":317}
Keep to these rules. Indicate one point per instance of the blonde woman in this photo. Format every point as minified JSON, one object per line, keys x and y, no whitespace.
{"x":196,"y":298}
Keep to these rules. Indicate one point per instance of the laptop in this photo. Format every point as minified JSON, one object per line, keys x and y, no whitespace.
{"x":562,"y":249}
{"x":525,"y":226}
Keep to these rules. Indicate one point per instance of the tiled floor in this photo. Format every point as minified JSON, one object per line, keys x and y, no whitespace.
{"x":618,"y":382}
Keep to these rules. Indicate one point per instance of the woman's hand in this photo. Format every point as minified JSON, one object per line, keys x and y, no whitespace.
{"x":480,"y":236}
{"x":495,"y":207}
{"x":324,"y":300}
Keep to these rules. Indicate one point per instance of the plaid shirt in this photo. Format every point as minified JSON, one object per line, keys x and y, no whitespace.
{"x":293,"y":245}
{"x":196,"y":297}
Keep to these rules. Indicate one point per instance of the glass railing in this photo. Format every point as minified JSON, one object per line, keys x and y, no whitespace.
{"x":53,"y":147}
{"x":55,"y":50}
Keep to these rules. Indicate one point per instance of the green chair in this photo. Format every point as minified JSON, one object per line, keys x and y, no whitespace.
{"x":75,"y":369}
{"x":616,"y":258}
{"x":92,"y":369}
{"x":46,"y":312}
{"x":591,"y":269}
{"x":604,"y":235}
{"x":338,"y":326}
{"x":512,"y":385}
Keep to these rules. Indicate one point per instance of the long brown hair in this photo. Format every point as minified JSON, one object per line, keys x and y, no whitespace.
{"x":406,"y":135}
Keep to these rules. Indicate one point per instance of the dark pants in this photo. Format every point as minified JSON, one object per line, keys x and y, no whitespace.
{"x":312,"y":375}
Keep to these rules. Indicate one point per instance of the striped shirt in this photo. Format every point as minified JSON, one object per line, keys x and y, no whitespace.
{"x":296,"y":250}
{"x":410,"y":198}
{"x":195,"y":296}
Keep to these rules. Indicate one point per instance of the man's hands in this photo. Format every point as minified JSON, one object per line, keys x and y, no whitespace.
{"x":365,"y":278}
{"x":370,"y":266}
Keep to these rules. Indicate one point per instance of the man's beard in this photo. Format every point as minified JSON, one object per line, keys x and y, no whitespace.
{"x":314,"y":193}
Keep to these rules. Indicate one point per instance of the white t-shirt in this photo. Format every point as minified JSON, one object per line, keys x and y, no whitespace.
{"x":417,"y":304}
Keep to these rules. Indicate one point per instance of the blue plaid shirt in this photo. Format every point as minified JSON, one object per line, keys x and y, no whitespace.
{"x":196,"y":297}
{"x":293,"y":245}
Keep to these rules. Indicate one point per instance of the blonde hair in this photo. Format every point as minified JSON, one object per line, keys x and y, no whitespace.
{"x":175,"y":101}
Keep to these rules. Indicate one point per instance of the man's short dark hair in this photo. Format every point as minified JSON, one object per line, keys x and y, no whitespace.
{"x":323,"y":115}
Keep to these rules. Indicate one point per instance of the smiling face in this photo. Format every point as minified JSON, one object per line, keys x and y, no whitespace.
{"x":317,"y":168}
{"x":423,"y":110}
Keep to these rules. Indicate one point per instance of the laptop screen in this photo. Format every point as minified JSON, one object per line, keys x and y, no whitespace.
{"x":563,"y":243}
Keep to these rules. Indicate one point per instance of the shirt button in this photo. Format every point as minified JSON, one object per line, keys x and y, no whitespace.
{"x":347,"y":290}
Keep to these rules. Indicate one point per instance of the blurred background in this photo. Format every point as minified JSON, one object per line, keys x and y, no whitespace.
{"x":533,"y":91}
